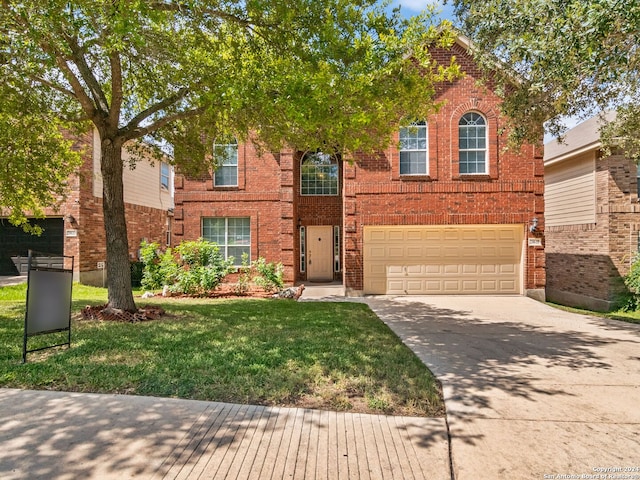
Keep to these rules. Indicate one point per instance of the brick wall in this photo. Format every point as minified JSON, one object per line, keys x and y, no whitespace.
{"x":264,"y":194}
{"x":586,"y":262}
{"x":374,"y":193}
{"x":510,"y":193}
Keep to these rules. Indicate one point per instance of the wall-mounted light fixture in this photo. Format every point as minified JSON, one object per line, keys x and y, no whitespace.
{"x":534,"y":225}
{"x":72,"y":220}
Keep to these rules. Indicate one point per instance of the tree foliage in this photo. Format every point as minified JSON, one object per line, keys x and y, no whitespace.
{"x":35,"y":160}
{"x":330,"y":74}
{"x":559,"y":58}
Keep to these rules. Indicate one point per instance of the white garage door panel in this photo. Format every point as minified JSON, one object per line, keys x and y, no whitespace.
{"x":477,"y":259}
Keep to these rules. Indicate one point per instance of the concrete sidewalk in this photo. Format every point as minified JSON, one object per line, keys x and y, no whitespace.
{"x":531,"y":391}
{"x":68,"y":436}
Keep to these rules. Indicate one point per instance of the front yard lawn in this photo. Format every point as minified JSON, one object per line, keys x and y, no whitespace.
{"x":335,"y":356}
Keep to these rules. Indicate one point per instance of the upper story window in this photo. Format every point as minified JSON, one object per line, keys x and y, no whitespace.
{"x":413,"y":149}
{"x":165,"y":175}
{"x":319,"y":174}
{"x":472,"y":138}
{"x":226,"y":159}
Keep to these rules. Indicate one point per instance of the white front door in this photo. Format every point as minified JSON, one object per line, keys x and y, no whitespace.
{"x":320,"y":254}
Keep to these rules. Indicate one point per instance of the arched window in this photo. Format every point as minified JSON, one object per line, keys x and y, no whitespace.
{"x":472,"y":143}
{"x":413,"y":149}
{"x":225,"y":155}
{"x":319,"y":174}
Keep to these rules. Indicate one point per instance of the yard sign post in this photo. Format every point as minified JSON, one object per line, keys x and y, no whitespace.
{"x":48,"y":308}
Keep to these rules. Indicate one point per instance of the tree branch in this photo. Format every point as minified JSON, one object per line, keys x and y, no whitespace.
{"x":116,"y":88}
{"x":53,"y":86}
{"x":170,"y":100}
{"x":82,"y":97}
{"x":87,"y":75}
{"x":130,"y":132}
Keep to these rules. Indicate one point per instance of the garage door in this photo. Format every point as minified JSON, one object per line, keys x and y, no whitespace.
{"x":443,"y":260}
{"x":15,"y":245}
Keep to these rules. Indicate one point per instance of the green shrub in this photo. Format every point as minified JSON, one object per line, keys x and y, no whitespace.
{"x":160,"y":268}
{"x":201,"y":267}
{"x":244,"y":276}
{"x":268,"y":275}
{"x":631,"y":301}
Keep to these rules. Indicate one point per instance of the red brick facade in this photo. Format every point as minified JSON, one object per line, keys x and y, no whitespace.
{"x":372,"y":191}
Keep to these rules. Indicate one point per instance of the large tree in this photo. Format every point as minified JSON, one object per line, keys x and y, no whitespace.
{"x":330,"y":74}
{"x":561,"y":58}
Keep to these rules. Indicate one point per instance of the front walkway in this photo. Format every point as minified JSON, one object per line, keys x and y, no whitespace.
{"x":55,"y":435}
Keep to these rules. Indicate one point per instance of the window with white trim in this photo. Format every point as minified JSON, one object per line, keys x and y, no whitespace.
{"x":225,"y":156}
{"x":165,"y":175}
{"x":233,"y":236}
{"x":414,"y":149}
{"x":319,"y":174}
{"x":472,"y":143}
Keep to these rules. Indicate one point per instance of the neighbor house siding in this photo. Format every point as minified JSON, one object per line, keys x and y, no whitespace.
{"x":570,"y":192}
{"x":586,"y":262}
{"x":141,"y":181}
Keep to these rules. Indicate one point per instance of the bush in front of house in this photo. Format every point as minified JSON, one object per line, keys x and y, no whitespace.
{"x":268,"y":275}
{"x":631,"y":301}
{"x":202,"y":267}
{"x":198,"y":267}
{"x":159,"y":268}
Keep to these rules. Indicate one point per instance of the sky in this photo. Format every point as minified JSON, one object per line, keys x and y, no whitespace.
{"x":412,"y":7}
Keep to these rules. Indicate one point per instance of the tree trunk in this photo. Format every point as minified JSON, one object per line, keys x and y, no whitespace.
{"x":115,"y":226}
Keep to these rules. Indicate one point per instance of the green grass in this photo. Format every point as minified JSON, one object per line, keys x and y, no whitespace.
{"x":629,"y":317}
{"x":336,"y":356}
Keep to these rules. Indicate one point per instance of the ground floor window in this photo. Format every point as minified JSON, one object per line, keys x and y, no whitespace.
{"x":233,"y":236}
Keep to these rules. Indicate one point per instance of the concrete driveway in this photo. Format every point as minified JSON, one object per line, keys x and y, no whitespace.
{"x":530,"y":391}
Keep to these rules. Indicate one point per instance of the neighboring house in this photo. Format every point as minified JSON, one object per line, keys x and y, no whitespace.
{"x":591,"y":216}
{"x":76,"y":228}
{"x":444,"y":210}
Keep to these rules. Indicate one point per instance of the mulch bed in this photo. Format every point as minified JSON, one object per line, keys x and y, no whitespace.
{"x":102,"y":313}
{"x":154,"y":312}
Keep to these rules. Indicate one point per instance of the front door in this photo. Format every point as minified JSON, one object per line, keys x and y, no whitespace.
{"x":320,"y":254}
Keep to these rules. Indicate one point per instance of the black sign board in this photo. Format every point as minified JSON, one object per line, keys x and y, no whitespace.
{"x":48,"y":302}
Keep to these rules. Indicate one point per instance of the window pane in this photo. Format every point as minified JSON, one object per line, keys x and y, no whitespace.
{"x":239,"y":231}
{"x":319,"y":175}
{"x":233,"y":235}
{"x":472,"y":134}
{"x":413,"y":149}
{"x":226,"y":160}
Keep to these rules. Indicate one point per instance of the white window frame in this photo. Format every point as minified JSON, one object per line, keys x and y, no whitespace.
{"x":228,"y":161}
{"x":409,"y":143}
{"x":477,"y":149}
{"x":226,"y":246}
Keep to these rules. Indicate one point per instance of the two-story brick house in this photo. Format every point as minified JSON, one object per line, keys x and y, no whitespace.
{"x":76,"y":228}
{"x":444,"y":210}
